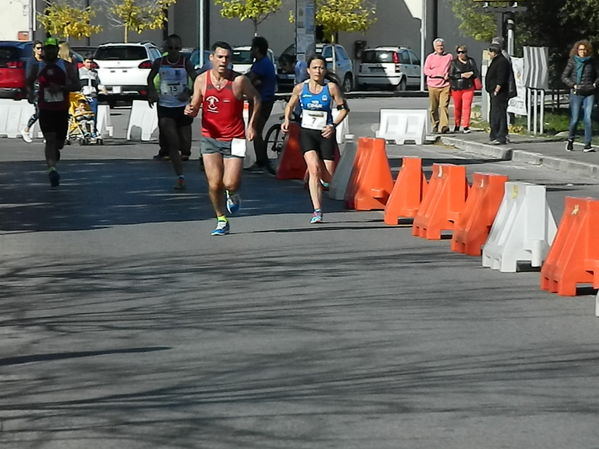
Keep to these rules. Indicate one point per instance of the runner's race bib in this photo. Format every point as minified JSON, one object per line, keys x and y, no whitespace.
{"x":171,"y":88}
{"x":238,"y":147}
{"x":53,"y":97}
{"x":314,"y":119}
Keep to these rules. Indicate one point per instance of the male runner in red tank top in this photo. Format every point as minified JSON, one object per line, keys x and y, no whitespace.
{"x":220,"y":93}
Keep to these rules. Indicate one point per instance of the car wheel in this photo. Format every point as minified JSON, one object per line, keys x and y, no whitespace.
{"x":402,"y":84}
{"x":347,"y":83}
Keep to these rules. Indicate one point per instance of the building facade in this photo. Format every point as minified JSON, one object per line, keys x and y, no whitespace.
{"x":396,"y":25}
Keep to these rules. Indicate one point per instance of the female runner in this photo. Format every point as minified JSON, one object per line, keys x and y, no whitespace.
{"x":317,"y":132}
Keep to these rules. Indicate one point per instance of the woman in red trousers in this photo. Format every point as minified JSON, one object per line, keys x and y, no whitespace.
{"x":462,"y":73}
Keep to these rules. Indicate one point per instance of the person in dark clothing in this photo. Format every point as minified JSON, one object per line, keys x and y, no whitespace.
{"x":582,"y":77}
{"x":496,"y":84}
{"x":462,"y":73}
{"x":264,"y":78}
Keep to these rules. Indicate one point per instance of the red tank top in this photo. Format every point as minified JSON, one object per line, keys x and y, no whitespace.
{"x":222,"y":112}
{"x":52,"y":73}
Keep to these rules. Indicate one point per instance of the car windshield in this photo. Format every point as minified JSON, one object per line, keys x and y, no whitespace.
{"x":242,"y":57}
{"x":121,"y":53}
{"x":377,"y":56}
{"x":9,"y":53}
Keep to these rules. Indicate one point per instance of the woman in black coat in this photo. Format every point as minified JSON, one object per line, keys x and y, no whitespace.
{"x":462,"y":73}
{"x":582,"y":77}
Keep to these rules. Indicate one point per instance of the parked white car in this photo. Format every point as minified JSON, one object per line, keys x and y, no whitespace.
{"x":242,"y":59}
{"x":396,"y":67}
{"x":123,"y":68}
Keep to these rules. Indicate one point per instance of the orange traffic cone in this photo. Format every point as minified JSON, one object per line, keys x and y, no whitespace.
{"x":292,"y":164}
{"x":443,"y":202}
{"x":371,"y":182}
{"x":472,"y":228}
{"x":408,"y":191}
{"x":574,"y":255}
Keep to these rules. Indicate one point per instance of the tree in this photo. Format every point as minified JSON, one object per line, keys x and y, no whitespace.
{"x":555,"y":24}
{"x":476,"y":22}
{"x":137,"y":15}
{"x":68,"y":19}
{"x":255,"y":10}
{"x":344,"y":15}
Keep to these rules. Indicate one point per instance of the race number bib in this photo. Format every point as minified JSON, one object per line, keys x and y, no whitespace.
{"x":238,"y":147}
{"x":314,"y":119}
{"x":53,"y":97}
{"x":171,"y":88}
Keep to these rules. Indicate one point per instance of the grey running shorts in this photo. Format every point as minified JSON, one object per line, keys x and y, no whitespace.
{"x":208,"y":145}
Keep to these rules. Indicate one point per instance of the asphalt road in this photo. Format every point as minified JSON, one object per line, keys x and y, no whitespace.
{"x":125,"y":325}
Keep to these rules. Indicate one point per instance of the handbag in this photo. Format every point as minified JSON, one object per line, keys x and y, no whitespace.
{"x":584,"y":91}
{"x":478,"y":84}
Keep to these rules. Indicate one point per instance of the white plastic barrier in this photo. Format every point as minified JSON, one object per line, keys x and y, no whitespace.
{"x":523,"y":229}
{"x":400,"y":125}
{"x":14,"y":116}
{"x":342,"y":128}
{"x":103,"y":122}
{"x":143,"y":121}
{"x":344,"y":169}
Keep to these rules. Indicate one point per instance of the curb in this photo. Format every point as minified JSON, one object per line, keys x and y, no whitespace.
{"x":502,"y":152}
{"x":557,"y":163}
{"x":507,"y":153}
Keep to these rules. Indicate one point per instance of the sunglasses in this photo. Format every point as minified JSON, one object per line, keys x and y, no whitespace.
{"x":461,"y":51}
{"x":38,"y":48}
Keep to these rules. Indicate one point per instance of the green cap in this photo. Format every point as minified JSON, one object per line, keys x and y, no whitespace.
{"x":51,"y":41}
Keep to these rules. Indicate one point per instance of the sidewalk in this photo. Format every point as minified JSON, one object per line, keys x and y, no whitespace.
{"x":549,"y":153}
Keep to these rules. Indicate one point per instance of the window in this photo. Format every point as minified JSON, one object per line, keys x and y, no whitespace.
{"x":380,"y":56}
{"x":121,"y":53}
{"x":415,"y":59}
{"x":404,"y":57}
{"x":241,"y":57}
{"x":9,"y":54}
{"x":327,"y":52}
{"x":341,"y":53}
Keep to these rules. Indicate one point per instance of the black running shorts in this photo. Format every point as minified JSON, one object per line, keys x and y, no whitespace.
{"x":55,"y":122}
{"x":177,"y":114}
{"x":312,"y":140}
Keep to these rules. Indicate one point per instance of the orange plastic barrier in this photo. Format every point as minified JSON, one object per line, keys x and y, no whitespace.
{"x":371,"y":181}
{"x":574,"y":255}
{"x":443,"y":202}
{"x":408,"y":190}
{"x":292,"y":164}
{"x":471,"y":230}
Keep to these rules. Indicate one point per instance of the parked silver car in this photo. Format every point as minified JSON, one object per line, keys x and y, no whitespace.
{"x":396,"y":67}
{"x":344,"y":67}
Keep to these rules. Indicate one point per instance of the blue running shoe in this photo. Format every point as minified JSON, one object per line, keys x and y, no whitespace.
{"x":233,"y":202}
{"x":222,"y":228}
{"x":316,"y":217}
{"x":54,"y":178}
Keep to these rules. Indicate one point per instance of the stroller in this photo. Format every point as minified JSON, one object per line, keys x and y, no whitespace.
{"x":82,"y":121}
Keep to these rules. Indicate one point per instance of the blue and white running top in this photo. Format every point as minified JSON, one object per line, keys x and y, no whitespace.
{"x":316,"y":107}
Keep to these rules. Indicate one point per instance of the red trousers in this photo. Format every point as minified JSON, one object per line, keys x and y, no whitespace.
{"x":462,"y":105}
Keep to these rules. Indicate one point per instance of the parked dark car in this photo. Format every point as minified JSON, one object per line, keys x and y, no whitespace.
{"x":13,"y":64}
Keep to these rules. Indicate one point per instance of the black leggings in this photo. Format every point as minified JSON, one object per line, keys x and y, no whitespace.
{"x":34,"y":117}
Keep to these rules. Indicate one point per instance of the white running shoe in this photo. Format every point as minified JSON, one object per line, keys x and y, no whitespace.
{"x":26,"y":136}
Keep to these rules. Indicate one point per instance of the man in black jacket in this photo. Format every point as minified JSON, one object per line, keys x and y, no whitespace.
{"x":496,"y":84}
